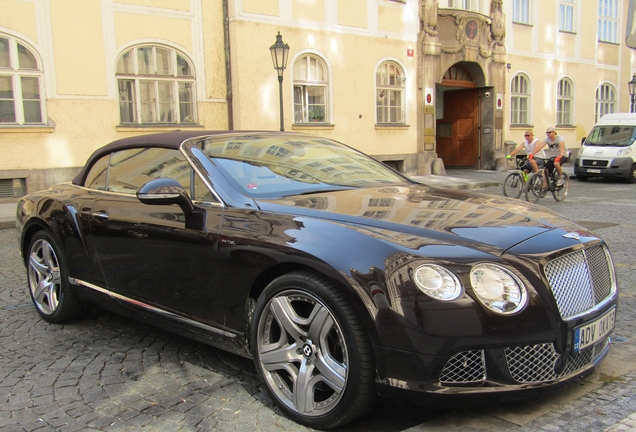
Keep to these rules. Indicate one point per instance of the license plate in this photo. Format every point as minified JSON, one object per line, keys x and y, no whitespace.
{"x":596,"y":171}
{"x":593,"y":332}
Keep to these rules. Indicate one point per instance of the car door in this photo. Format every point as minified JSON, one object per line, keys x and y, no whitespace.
{"x":145,"y":251}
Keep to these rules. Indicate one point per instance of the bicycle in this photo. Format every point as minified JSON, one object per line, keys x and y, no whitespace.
{"x":515,"y":182}
{"x":536,"y":191}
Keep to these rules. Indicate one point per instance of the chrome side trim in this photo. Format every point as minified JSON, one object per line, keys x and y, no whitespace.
{"x":153,"y":309}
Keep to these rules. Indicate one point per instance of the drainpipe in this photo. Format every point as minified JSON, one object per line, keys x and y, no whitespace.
{"x":228,"y":66}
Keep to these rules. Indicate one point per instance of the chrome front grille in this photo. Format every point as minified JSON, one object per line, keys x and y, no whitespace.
{"x":580,"y":280}
{"x":464,"y":367}
{"x":540,"y":363}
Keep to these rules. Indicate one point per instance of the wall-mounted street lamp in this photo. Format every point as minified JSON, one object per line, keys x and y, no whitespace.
{"x":280,"y":52}
{"x":632,"y":94}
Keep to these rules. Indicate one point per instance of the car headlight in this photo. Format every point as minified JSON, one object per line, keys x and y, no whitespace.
{"x":498,"y":289}
{"x":624,"y":152}
{"x":437,"y":282}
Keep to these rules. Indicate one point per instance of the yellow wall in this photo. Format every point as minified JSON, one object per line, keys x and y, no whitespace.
{"x":353,"y":62}
{"x":183,"y":5}
{"x":15,"y":14}
{"x":352,"y":13}
{"x":308,"y":10}
{"x":80,"y":61}
{"x":390,"y":19}
{"x":132,"y":27}
{"x":265,"y":7}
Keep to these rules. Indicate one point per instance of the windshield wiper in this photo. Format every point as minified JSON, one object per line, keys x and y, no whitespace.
{"x":338,"y":189}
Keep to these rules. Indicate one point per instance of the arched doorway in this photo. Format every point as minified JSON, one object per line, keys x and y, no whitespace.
{"x":457,"y":132}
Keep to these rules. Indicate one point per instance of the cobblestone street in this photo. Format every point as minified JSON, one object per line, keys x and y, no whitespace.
{"x":108,"y":373}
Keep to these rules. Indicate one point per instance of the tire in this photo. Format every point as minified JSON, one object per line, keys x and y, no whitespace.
{"x":561,"y":192}
{"x":47,"y":276}
{"x":305,"y":333}
{"x":533,"y":189}
{"x":632,"y":175}
{"x":513,"y":185}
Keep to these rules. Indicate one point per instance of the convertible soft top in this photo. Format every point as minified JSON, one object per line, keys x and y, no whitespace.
{"x":169,"y":140}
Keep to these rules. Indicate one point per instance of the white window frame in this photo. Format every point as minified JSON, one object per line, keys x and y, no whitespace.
{"x":608,"y":22}
{"x":521,"y":11}
{"x":384,"y":91}
{"x":567,"y":13}
{"x":565,"y":102}
{"x":468,"y":5}
{"x":15,"y":76}
{"x":605,"y":100}
{"x":519,"y":96}
{"x":130,"y":97}
{"x":303,"y":111}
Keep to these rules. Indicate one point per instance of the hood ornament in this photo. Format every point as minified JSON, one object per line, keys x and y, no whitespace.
{"x":572,"y":235}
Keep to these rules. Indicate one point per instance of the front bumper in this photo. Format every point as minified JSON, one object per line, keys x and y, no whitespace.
{"x":612,"y":167}
{"x":493,"y":373}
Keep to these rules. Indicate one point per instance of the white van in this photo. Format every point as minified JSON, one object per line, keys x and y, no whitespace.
{"x":610,"y":149}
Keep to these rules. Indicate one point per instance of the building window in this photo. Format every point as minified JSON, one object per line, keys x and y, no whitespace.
{"x":608,"y":21}
{"x":605,"y":100}
{"x":564,"y":102}
{"x":389,"y":88}
{"x":310,"y":90}
{"x":566,"y":15}
{"x":156,"y":86}
{"x":21,"y":98}
{"x":521,"y":11}
{"x":519,"y":100}
{"x":469,"y":5}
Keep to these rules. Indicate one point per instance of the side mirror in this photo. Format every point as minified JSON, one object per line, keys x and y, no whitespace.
{"x":582,"y":140}
{"x":165,"y":191}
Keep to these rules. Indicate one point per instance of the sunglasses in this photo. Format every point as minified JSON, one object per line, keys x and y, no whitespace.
{"x":527,"y":135}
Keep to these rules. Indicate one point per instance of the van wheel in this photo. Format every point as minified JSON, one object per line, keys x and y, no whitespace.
{"x":632,"y":175}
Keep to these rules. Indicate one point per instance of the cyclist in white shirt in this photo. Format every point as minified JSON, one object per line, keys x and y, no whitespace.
{"x":529,"y":144}
{"x":556,"y":152}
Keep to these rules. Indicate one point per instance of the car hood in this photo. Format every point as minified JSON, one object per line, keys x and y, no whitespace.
{"x":485,"y":222}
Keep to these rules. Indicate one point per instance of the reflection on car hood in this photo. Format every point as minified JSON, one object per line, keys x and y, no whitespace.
{"x":484,"y":221}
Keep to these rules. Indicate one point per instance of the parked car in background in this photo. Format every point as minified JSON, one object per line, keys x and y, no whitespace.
{"x":340,"y":277}
{"x":609,"y":150}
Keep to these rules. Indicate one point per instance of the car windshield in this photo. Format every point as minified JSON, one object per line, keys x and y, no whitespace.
{"x":620,"y":136}
{"x":276,"y":165}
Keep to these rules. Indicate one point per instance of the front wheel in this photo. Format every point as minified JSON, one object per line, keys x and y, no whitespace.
{"x":632,"y":175}
{"x":47,"y":276}
{"x":513,"y":185}
{"x":560,"y":192}
{"x":312,"y":351}
{"x":534,"y":188}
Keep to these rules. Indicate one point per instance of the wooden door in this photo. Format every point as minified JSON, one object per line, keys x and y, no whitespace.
{"x":458,"y":132}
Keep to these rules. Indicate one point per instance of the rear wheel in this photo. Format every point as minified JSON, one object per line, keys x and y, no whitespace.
{"x":560,"y":192}
{"x":47,"y":276}
{"x":312,"y":351}
{"x":513,"y":185}
{"x":534,"y":189}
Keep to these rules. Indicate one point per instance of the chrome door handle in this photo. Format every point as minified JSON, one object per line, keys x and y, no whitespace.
{"x":100,"y":215}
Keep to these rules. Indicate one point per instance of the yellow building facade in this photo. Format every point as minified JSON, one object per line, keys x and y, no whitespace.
{"x":412,"y":82}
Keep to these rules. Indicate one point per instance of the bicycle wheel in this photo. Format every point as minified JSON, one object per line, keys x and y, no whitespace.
{"x":560,"y":192}
{"x":513,"y":185}
{"x":533,"y":188}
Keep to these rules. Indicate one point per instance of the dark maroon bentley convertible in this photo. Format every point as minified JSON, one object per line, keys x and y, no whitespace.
{"x":341,"y":278}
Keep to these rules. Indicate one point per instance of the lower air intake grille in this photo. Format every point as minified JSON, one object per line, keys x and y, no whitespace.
{"x":464,"y":367}
{"x":539,"y":363}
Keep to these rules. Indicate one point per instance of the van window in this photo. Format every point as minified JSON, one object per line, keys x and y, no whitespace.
{"x":612,"y":135}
